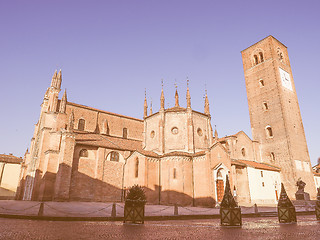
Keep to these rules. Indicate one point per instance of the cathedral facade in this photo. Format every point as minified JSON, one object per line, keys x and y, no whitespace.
{"x":79,"y":153}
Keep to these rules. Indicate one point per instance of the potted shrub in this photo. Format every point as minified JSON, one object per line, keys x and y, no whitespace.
{"x":286,"y":210}
{"x":134,"y":205}
{"x":230,"y":212}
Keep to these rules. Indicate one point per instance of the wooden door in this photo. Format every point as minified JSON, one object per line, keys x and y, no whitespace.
{"x":220,"y":190}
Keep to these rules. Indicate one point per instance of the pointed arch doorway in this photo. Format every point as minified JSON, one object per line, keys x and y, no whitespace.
{"x":219,"y":178}
{"x":219,"y":186}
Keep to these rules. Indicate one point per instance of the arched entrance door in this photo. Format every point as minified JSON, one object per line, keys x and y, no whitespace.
{"x":219,"y":186}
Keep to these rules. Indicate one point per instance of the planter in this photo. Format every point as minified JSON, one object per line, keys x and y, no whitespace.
{"x":318,"y":212}
{"x":230,"y":212}
{"x":230,"y":216}
{"x":286,"y":210}
{"x":134,"y":211}
{"x":287,"y":214}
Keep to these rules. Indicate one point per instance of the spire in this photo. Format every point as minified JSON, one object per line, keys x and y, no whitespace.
{"x":176,"y":97}
{"x":215,"y":133}
{"x":145,"y":112}
{"x":188,"y":95}
{"x":151,"y":108}
{"x":59,"y":79}
{"x":206,"y":105}
{"x":71,"y":122}
{"x":63,"y":102}
{"x":162,"y":96}
{"x":54,"y":79}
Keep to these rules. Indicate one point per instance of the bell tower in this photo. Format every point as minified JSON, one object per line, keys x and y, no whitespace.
{"x":275,"y":114}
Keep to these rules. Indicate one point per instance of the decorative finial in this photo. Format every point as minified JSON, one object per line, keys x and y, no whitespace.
{"x":151,"y":107}
{"x":145,"y":106}
{"x":188,"y":95}
{"x":176,"y":96}
{"x":162,"y":96}
{"x":206,"y":104}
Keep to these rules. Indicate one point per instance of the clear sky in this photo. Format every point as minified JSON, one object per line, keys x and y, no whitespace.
{"x":110,"y":51}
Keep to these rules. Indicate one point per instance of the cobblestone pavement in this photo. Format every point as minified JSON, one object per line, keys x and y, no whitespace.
{"x":253,"y":228}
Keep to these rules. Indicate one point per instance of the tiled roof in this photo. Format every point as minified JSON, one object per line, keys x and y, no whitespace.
{"x":99,"y":140}
{"x":316,"y":174}
{"x":176,"y":153}
{"x":10,"y":159}
{"x":259,"y":165}
{"x":176,"y":109}
{"x":236,"y":162}
{"x":98,"y":110}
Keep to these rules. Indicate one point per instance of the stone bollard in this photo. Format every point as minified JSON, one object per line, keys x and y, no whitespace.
{"x":114,"y":210}
{"x":176,"y":212}
{"x":256,"y":210}
{"x":41,"y":209}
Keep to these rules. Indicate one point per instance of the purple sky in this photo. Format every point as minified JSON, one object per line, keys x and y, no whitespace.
{"x":110,"y":51}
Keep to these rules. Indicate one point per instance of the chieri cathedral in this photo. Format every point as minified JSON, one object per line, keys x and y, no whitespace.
{"x":80,"y":153}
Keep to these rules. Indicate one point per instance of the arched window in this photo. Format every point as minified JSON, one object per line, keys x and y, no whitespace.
{"x":136,"y":172}
{"x":280,"y":54}
{"x":81,"y":124}
{"x":261,"y":56}
{"x":174,"y":173}
{"x":219,"y":174}
{"x":83,"y":153}
{"x":269,"y":131}
{"x":125,"y":133}
{"x":114,"y":156}
{"x":255,"y":58}
{"x":243,"y":152}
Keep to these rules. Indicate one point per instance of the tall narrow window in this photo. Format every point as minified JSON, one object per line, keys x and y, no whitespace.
{"x":265,"y":106}
{"x":81,"y":124}
{"x":261,"y":173}
{"x":269,"y":131}
{"x":136,"y":172}
{"x":272,"y":156}
{"x":243,"y":152}
{"x":261,"y":56}
{"x":125,"y":133}
{"x":174,"y":173}
{"x":256,"y":61}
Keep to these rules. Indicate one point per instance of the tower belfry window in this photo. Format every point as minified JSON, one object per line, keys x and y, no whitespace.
{"x":269,"y":131}
{"x":265,"y":106}
{"x":255,"y":58}
{"x":261,"y":83}
{"x":261,"y":56}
